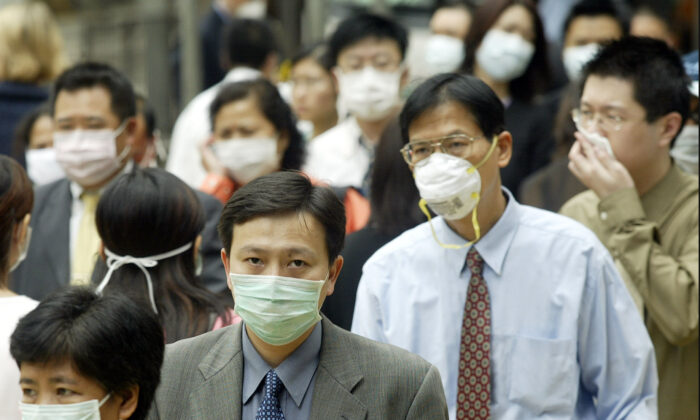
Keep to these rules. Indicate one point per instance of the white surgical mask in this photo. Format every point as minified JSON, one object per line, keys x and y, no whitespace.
{"x":115,"y":261}
{"x":685,"y":149}
{"x":576,"y":57}
{"x":598,"y":140}
{"x":369,"y":94}
{"x":451,"y":187}
{"x":88,"y":410}
{"x":42,"y":166}
{"x":89,"y":156}
{"x":248,"y":159}
{"x":278,"y":309}
{"x":23,"y":250}
{"x":443,"y":54}
{"x":253,"y":9}
{"x":504,"y":56}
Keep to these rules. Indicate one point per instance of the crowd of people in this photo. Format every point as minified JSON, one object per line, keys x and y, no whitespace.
{"x":513,"y":235}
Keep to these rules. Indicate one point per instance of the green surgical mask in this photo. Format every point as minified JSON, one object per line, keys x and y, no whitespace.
{"x":277,"y":309}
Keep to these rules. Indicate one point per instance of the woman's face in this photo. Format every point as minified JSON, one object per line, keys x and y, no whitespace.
{"x":517,"y":19}
{"x":313,"y":92}
{"x":59,"y":383}
{"x":41,"y":134}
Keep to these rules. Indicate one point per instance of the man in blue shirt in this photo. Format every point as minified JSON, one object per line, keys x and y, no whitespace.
{"x":521,"y":310}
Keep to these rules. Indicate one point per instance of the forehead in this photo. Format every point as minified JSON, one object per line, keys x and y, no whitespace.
{"x":280,"y":232}
{"x":370,"y":47}
{"x":50,"y":371}
{"x":515,"y":15}
{"x":308,"y":66}
{"x":247,"y":107}
{"x":597,"y":28}
{"x":608,"y":91}
{"x":92,"y":101}
{"x":444,"y":119}
{"x":450,"y":19}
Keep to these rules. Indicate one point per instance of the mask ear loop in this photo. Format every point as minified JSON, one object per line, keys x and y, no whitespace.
{"x":475,"y":222}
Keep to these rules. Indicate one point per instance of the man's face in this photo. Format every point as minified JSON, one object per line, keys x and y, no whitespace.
{"x":585,"y":30}
{"x":454,"y":118}
{"x":635,"y":142}
{"x":289,"y":245}
{"x":382,"y":54}
{"x":451,"y":21}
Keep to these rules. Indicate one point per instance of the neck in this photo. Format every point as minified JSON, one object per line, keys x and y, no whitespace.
{"x":651,"y":175}
{"x":4,"y":290}
{"x":322,"y":125}
{"x":275,"y":355}
{"x":502,"y":89}
{"x":372,"y":130}
{"x":488,"y":213}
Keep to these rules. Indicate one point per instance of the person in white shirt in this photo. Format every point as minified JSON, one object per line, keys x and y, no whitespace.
{"x":251,"y":52}
{"x":368,"y":53}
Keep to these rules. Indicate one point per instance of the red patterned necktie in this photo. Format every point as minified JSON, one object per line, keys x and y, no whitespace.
{"x":474,"y":381}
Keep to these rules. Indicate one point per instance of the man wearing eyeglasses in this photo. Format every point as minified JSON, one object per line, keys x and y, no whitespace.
{"x":644,"y":209}
{"x":521,"y":309}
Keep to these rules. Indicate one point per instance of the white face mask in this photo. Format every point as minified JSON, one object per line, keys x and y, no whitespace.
{"x":597,"y":139}
{"x":88,"y":410}
{"x":685,"y":149}
{"x":89,"y":156}
{"x":278,"y":309}
{"x":253,"y":9}
{"x":248,"y":159}
{"x":42,"y":166}
{"x":504,"y":56}
{"x":369,"y":94}
{"x":23,"y":250}
{"x":576,"y":57}
{"x":443,"y":54}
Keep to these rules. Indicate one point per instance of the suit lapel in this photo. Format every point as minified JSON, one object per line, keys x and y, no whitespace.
{"x":56,"y":214}
{"x":220,"y":394}
{"x":336,"y":378}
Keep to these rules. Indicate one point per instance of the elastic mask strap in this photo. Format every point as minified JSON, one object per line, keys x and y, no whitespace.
{"x":115,"y":261}
{"x":475,"y":222}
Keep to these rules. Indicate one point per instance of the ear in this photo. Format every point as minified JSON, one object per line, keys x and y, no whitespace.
{"x":504,"y":149}
{"x":21,"y":228}
{"x":224,"y":259}
{"x":333,"y":273}
{"x":405,"y":74}
{"x":282,"y":145}
{"x":197,"y":244}
{"x":669,"y":126}
{"x":269,"y":67}
{"x":102,"y":251}
{"x":130,"y":400}
{"x":334,"y":79}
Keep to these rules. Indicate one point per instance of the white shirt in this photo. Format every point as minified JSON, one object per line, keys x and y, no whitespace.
{"x":12,"y":308}
{"x":567,"y":341}
{"x":338,"y":156}
{"x":193,"y":127}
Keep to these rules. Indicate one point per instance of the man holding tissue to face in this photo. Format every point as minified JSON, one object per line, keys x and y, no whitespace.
{"x":520,"y":309}
{"x":634,"y":102}
{"x":282,"y":238}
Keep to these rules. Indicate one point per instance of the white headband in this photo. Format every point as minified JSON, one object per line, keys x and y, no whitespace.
{"x":115,"y":261}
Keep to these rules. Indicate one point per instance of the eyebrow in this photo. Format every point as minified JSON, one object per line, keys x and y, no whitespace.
{"x":53,"y":380}
{"x":289,"y":251}
{"x":89,"y":119}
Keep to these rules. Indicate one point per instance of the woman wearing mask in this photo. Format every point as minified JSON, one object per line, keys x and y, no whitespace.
{"x":16,"y":200}
{"x":255,"y":134}
{"x":34,"y":134}
{"x":314,"y":94}
{"x":506,"y":48}
{"x":149,"y":259}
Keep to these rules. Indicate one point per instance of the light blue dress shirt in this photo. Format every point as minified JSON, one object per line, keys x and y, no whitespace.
{"x":567,"y":341}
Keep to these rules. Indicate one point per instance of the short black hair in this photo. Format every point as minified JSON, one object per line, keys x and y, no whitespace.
{"x":247,"y":42}
{"x":362,"y":26}
{"x":281,"y":193}
{"x":106,"y":338}
{"x":468,"y":91}
{"x":655,"y":70}
{"x":594,"y":8}
{"x":275,"y":109}
{"x":90,"y":74}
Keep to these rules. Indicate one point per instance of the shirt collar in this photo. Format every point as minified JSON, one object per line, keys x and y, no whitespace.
{"x":295,"y":372}
{"x":492,"y":247}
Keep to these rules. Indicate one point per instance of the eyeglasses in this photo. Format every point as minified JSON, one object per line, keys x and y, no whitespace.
{"x":459,"y":145}
{"x":606,"y":121}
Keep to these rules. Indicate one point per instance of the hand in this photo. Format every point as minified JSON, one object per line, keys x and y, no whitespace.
{"x":596,"y":169}
{"x":211,"y":163}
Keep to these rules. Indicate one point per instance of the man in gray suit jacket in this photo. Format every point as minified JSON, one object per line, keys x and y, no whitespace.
{"x":282,"y":238}
{"x":93,"y":108}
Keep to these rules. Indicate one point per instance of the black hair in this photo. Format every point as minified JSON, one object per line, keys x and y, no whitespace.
{"x":247,"y":42}
{"x":144,"y":107}
{"x":89,"y":75}
{"x":655,"y":70}
{"x":149,"y":212}
{"x":362,"y":26}
{"x":109,"y":339}
{"x":595,"y":8}
{"x":318,"y":52}
{"x":275,"y":109}
{"x":16,"y":201}
{"x":393,"y":194}
{"x":281,"y":193}
{"x":536,"y":77}
{"x":468,"y":5}
{"x":23,"y":129}
{"x":468,"y":91}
